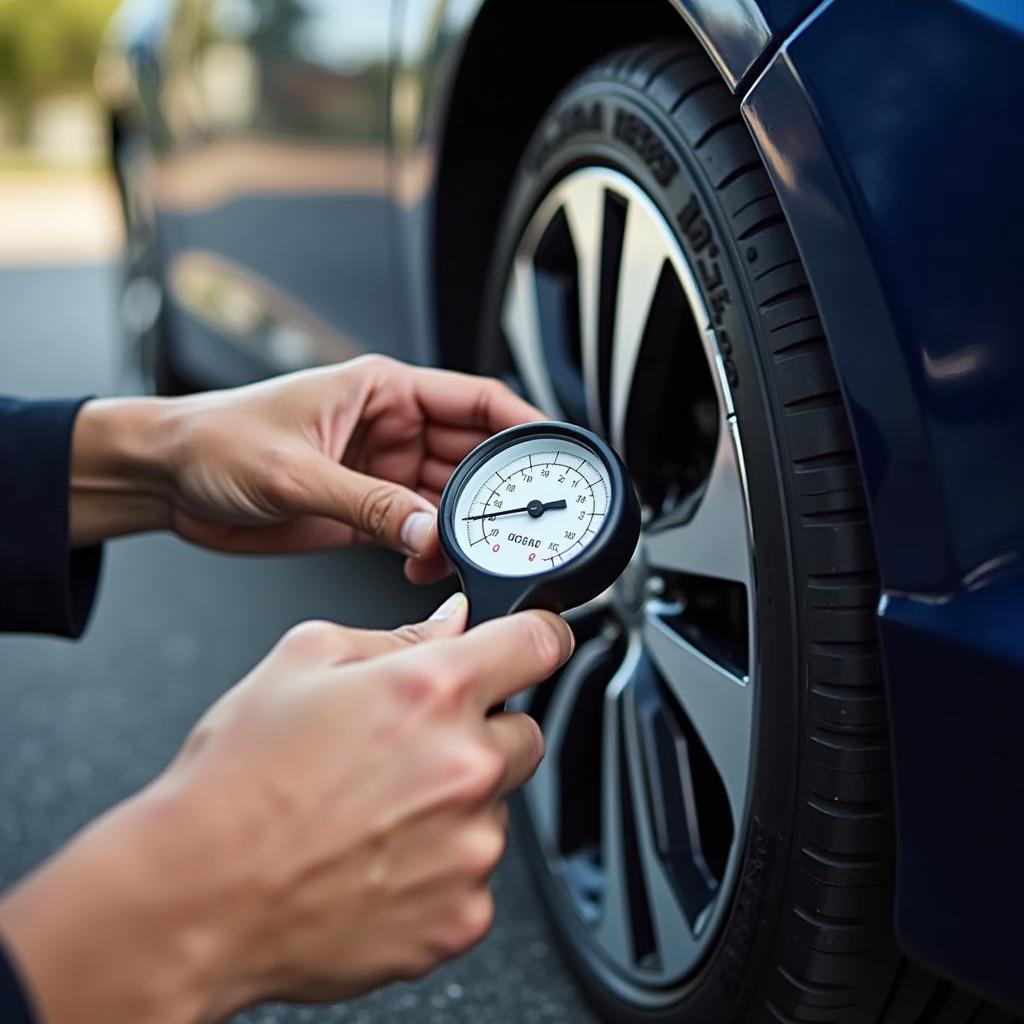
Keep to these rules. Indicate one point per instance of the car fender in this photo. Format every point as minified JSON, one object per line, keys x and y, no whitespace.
{"x":896,"y":164}
{"x":737,"y":34}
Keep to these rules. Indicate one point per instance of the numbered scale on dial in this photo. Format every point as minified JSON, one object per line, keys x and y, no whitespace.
{"x":542,"y":516}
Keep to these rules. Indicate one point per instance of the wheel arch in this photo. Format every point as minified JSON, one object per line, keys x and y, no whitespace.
{"x":491,"y":112}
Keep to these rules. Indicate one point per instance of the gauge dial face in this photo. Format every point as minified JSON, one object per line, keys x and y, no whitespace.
{"x":532,"y":506}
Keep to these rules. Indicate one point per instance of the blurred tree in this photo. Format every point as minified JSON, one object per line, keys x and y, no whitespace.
{"x":47,"y":46}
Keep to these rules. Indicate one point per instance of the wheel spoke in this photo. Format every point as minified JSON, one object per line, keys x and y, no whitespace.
{"x":544,"y":789}
{"x":644,"y":253}
{"x":715,"y":539}
{"x":584,"y":211}
{"x":615,"y":930}
{"x":673,"y":932}
{"x":717,"y":703}
{"x":521,"y":320}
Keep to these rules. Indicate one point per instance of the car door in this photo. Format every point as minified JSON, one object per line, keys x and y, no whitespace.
{"x":271,"y":181}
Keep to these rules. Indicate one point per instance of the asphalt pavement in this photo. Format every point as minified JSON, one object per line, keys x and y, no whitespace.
{"x":83,"y":725}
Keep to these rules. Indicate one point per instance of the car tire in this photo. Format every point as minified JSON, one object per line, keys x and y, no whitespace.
{"x":804,"y":914}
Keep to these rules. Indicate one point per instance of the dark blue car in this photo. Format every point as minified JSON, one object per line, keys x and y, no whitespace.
{"x":773,"y":250}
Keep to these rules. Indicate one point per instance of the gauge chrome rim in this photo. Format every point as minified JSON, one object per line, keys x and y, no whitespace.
{"x":640,"y":806}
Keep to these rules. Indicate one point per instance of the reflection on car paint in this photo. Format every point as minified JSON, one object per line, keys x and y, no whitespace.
{"x":253,"y":313}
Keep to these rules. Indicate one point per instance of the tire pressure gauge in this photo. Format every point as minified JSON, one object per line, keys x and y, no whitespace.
{"x":539,"y":516}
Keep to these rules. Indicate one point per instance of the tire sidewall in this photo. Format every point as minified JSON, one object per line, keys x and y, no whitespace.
{"x":608,"y":123}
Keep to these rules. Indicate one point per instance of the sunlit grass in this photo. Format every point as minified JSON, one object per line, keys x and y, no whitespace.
{"x":24,"y":162}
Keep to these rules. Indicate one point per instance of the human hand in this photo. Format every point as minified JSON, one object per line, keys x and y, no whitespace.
{"x":330,"y":825}
{"x":318,"y":459}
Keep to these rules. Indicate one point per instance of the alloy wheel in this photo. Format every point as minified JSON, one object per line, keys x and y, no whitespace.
{"x":639,"y":808}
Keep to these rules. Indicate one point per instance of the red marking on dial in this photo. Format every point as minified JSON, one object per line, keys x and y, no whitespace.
{"x":496,"y":548}
{"x":533,"y":555}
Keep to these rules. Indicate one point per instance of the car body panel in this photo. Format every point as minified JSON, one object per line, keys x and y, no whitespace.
{"x":895,"y":160}
{"x":737,"y":33}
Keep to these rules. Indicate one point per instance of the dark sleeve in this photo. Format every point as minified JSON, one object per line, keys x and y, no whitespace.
{"x":14,"y":1008}
{"x":44,"y":586}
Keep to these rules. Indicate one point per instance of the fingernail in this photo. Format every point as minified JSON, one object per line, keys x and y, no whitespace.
{"x":415,"y":531}
{"x":568,"y":640}
{"x":454,"y":604}
{"x":564,"y":634}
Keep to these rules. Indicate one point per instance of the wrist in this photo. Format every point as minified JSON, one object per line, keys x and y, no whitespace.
{"x":121,"y":468}
{"x":126,"y":924}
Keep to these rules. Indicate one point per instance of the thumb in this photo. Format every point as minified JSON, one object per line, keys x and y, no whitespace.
{"x":449,"y":620}
{"x":391,"y":514}
{"x":341,"y":645}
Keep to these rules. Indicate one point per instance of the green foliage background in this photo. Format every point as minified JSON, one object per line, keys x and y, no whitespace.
{"x":48,"y":46}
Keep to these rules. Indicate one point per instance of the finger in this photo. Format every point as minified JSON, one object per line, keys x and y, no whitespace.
{"x":501,"y":658}
{"x":448,"y":620}
{"x":462,"y":400}
{"x":308,"y":533}
{"x":422,"y":571}
{"x":450,"y":445}
{"x":521,"y":743}
{"x":434,"y":497}
{"x":430,"y":545}
{"x":431,"y":565}
{"x":434,"y":473}
{"x":331,"y":644}
{"x":501,"y":815}
{"x":391,"y":514}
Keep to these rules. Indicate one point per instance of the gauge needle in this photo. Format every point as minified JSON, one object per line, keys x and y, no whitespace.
{"x":535,"y":508}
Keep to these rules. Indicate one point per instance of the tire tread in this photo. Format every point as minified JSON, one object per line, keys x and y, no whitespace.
{"x":846,"y":847}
